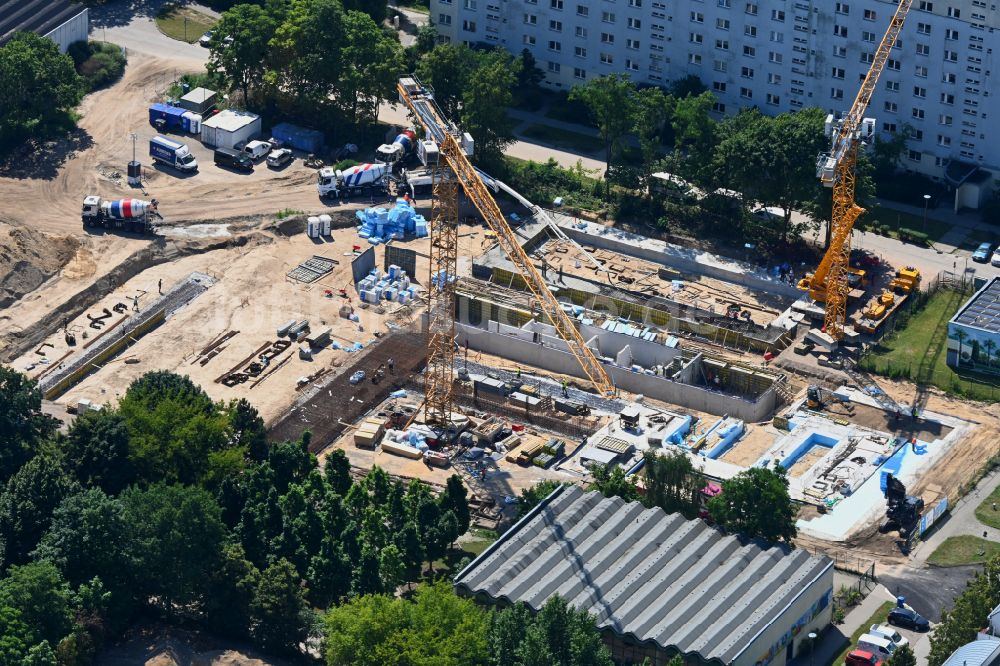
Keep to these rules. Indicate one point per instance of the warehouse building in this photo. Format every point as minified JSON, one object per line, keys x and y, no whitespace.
{"x":61,"y":21}
{"x":974,"y":331}
{"x":230,"y":127}
{"x":658,"y":585}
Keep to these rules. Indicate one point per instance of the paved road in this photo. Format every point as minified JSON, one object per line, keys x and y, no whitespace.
{"x":130,"y":24}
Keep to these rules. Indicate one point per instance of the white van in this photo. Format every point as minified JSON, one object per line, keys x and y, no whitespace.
{"x":877,"y":645}
{"x":889,"y":634}
{"x":257,"y":149}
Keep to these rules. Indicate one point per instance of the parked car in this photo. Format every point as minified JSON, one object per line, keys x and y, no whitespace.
{"x":861,"y":658}
{"x":880,"y":647}
{"x":256,"y":150}
{"x":996,"y":258}
{"x":904,"y":617}
{"x":889,"y":634}
{"x":280,"y":157}
{"x":982,"y":253}
{"x":233,"y":159}
{"x":206,"y":39}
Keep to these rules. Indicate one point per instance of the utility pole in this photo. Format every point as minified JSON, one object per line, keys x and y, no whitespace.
{"x":134,"y":138}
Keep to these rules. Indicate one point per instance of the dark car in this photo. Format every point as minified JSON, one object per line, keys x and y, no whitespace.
{"x":904,"y":617}
{"x":233,"y":159}
{"x":982,"y":253}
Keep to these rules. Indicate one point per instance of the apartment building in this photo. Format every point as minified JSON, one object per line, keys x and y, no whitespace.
{"x":778,"y":55}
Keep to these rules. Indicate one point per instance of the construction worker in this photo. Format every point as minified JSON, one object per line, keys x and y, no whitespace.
{"x":392,"y":365}
{"x":159,"y":285}
{"x":135,"y":303}
{"x":518,"y":372}
{"x":565,"y":392}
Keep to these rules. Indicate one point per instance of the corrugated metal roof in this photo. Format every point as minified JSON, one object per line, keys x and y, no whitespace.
{"x":38,"y":16}
{"x":644,"y":573}
{"x":977,"y":653}
{"x":230,"y":120}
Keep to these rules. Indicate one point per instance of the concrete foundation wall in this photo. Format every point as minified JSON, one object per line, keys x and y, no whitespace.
{"x":660,"y":388}
{"x":642,"y":352}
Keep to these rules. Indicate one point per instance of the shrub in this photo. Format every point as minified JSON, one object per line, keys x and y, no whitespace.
{"x":914,"y":236}
{"x":99,"y":63}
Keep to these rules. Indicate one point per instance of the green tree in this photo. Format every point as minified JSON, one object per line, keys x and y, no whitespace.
{"x":176,"y":540}
{"x":280,"y":616}
{"x":391,"y":568}
{"x":962,"y":622}
{"x":529,"y":74}
{"x":672,"y":483}
{"x":888,"y":151}
{"x":447,"y":69}
{"x":22,"y":424}
{"x":26,"y":507}
{"x":291,"y":463}
{"x":531,"y":497}
{"x":42,"y":598}
{"x":372,"y":63}
{"x":248,"y":430}
{"x":14,"y":636}
{"x":410,"y":547}
{"x":455,"y":499}
{"x":40,"y":655}
{"x":903,"y":656}
{"x":305,"y":52}
{"x":756,"y":503}
{"x":613,"y":483}
{"x":653,"y":111}
{"x":377,"y":10}
{"x":436,"y":627}
{"x":558,"y":634}
{"x":231,"y":593}
{"x":688,"y":86}
{"x":338,"y":472}
{"x":97,"y":451}
{"x":611,"y":100}
{"x":38,"y":86}
{"x":506,"y":633}
{"x":243,"y":58}
{"x":694,"y":135}
{"x":485,"y":100}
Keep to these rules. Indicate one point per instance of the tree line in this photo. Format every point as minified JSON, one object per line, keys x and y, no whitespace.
{"x":178,"y":506}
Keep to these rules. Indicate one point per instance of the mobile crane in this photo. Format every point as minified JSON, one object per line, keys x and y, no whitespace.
{"x":444,"y":148}
{"x":836,"y":169}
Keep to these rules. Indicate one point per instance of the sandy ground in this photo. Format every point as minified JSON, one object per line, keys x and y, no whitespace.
{"x":747,"y":451}
{"x":160,"y":645}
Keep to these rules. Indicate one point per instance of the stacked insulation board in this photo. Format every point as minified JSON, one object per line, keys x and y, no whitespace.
{"x":393,"y":285}
{"x":379,"y":225}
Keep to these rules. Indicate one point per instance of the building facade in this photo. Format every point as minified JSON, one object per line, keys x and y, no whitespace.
{"x":778,"y":55}
{"x":974,"y":331}
{"x":61,"y":21}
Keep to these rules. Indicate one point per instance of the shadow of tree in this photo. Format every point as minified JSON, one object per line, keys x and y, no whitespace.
{"x":116,"y":14}
{"x":42,"y":159}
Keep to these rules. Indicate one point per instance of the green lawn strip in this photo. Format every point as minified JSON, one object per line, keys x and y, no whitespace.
{"x":878,"y":617}
{"x":904,"y":351}
{"x":897,"y":220}
{"x":561,"y":138}
{"x":965,"y":549}
{"x":985,"y":512}
{"x":170,"y":21}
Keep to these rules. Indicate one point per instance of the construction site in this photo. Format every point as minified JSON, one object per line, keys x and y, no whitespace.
{"x":428,"y":336}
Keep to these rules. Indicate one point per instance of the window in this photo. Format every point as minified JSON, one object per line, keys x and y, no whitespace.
{"x":608,"y":17}
{"x":774,"y":79}
{"x":954,"y":13}
{"x":720,"y":65}
{"x":751,"y":8}
{"x":945,"y":120}
{"x":867,"y":57}
{"x":919,"y":92}
{"x":925,"y":6}
{"x":580,"y":52}
{"x":746,"y":72}
{"x":722,"y":24}
{"x":469,"y":26}
{"x":697,"y":17}
{"x":694,"y":58}
{"x":555,"y":46}
{"x":839,"y":51}
{"x":943,"y":140}
{"x":556,"y":4}
{"x":607,"y":38}
{"x":749,"y":51}
{"x":470,"y":4}
{"x":836,"y":93}
{"x":719,"y":107}
{"x":837,"y":73}
{"x":923,"y":49}
{"x":774,"y":57}
{"x":842,"y":8}
{"x":719,"y":86}
{"x":778,"y":15}
{"x":939,"y":161}
{"x":632,"y":64}
{"x":746,"y":93}
{"x":913,"y":155}
{"x":924,"y":28}
{"x":579,"y":73}
{"x":920,"y":71}
{"x":635,"y":3}
{"x":892,"y":86}
{"x":949,"y":77}
{"x":607,"y":59}
{"x":750,"y":30}
{"x":581,"y":32}
{"x":530,"y":19}
{"x":695,"y":38}
{"x":868,"y":37}
{"x":632,"y":44}
{"x":529,"y":40}
{"x":951,"y":34}
{"x":554,"y":67}
{"x":582,"y":10}
{"x":555,"y":26}
{"x":917,"y":113}
{"x":951,"y":56}
{"x":892,"y":64}
{"x":773,"y":99}
{"x":840,"y":31}
{"x":722,"y":44}
{"x":947,"y":98}
{"x":889,"y":127}
{"x":634,"y":23}
{"x":917,"y":135}
{"x":777,"y":37}
{"x":444,"y":19}
{"x":890,"y":107}
{"x":725,"y":4}
{"x":870,"y":15}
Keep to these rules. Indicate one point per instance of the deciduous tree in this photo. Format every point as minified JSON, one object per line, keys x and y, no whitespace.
{"x":26,"y":507}
{"x":756,"y":503}
{"x":371,"y":65}
{"x":485,"y":99}
{"x":22,"y":424}
{"x":239,"y":45}
{"x":672,"y":483}
{"x":280,"y":617}
{"x":612,"y":103}
{"x":97,"y":451}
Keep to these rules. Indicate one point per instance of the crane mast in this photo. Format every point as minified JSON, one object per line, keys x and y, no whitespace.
{"x":837,"y":170}
{"x":454,"y":151}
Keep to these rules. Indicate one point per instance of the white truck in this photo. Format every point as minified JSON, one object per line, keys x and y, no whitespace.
{"x":363,"y":178}
{"x":422,"y":180}
{"x":172,"y":153}
{"x":133,"y":215}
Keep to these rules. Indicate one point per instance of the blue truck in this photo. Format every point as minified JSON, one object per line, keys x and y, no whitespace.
{"x":168,"y":118}
{"x":172,"y":153}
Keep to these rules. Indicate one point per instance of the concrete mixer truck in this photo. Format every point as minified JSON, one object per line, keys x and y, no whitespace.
{"x":401,"y":146}
{"x":363,"y":179}
{"x":133,"y":215}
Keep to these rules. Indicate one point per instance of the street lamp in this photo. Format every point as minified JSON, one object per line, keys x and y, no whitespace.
{"x":812,"y":646}
{"x":927,"y":200}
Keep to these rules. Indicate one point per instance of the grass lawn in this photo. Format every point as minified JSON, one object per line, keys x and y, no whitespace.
{"x":878,"y":617}
{"x":171,"y":22}
{"x":985,"y":512}
{"x":561,"y":138}
{"x":900,"y":220}
{"x":902,"y":353}
{"x":963,"y":550}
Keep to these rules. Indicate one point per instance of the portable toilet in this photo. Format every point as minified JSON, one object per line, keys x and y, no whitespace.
{"x":325,"y":222}
{"x":312,"y":227}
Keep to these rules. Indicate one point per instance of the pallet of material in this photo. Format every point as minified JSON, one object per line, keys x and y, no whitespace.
{"x":436,"y":459}
{"x":404,"y":450}
{"x":542,"y":460}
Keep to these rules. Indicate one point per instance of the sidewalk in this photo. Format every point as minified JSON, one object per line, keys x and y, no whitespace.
{"x":833,"y":641}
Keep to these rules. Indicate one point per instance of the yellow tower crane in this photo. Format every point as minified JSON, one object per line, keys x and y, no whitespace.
{"x":446,"y":156}
{"x":837,"y":170}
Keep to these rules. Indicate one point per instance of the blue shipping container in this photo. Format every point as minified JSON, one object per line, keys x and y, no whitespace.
{"x":310,"y":141}
{"x":170,"y":115}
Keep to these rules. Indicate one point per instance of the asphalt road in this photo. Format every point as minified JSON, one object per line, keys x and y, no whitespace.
{"x":929,"y":590}
{"x":130,"y":24}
